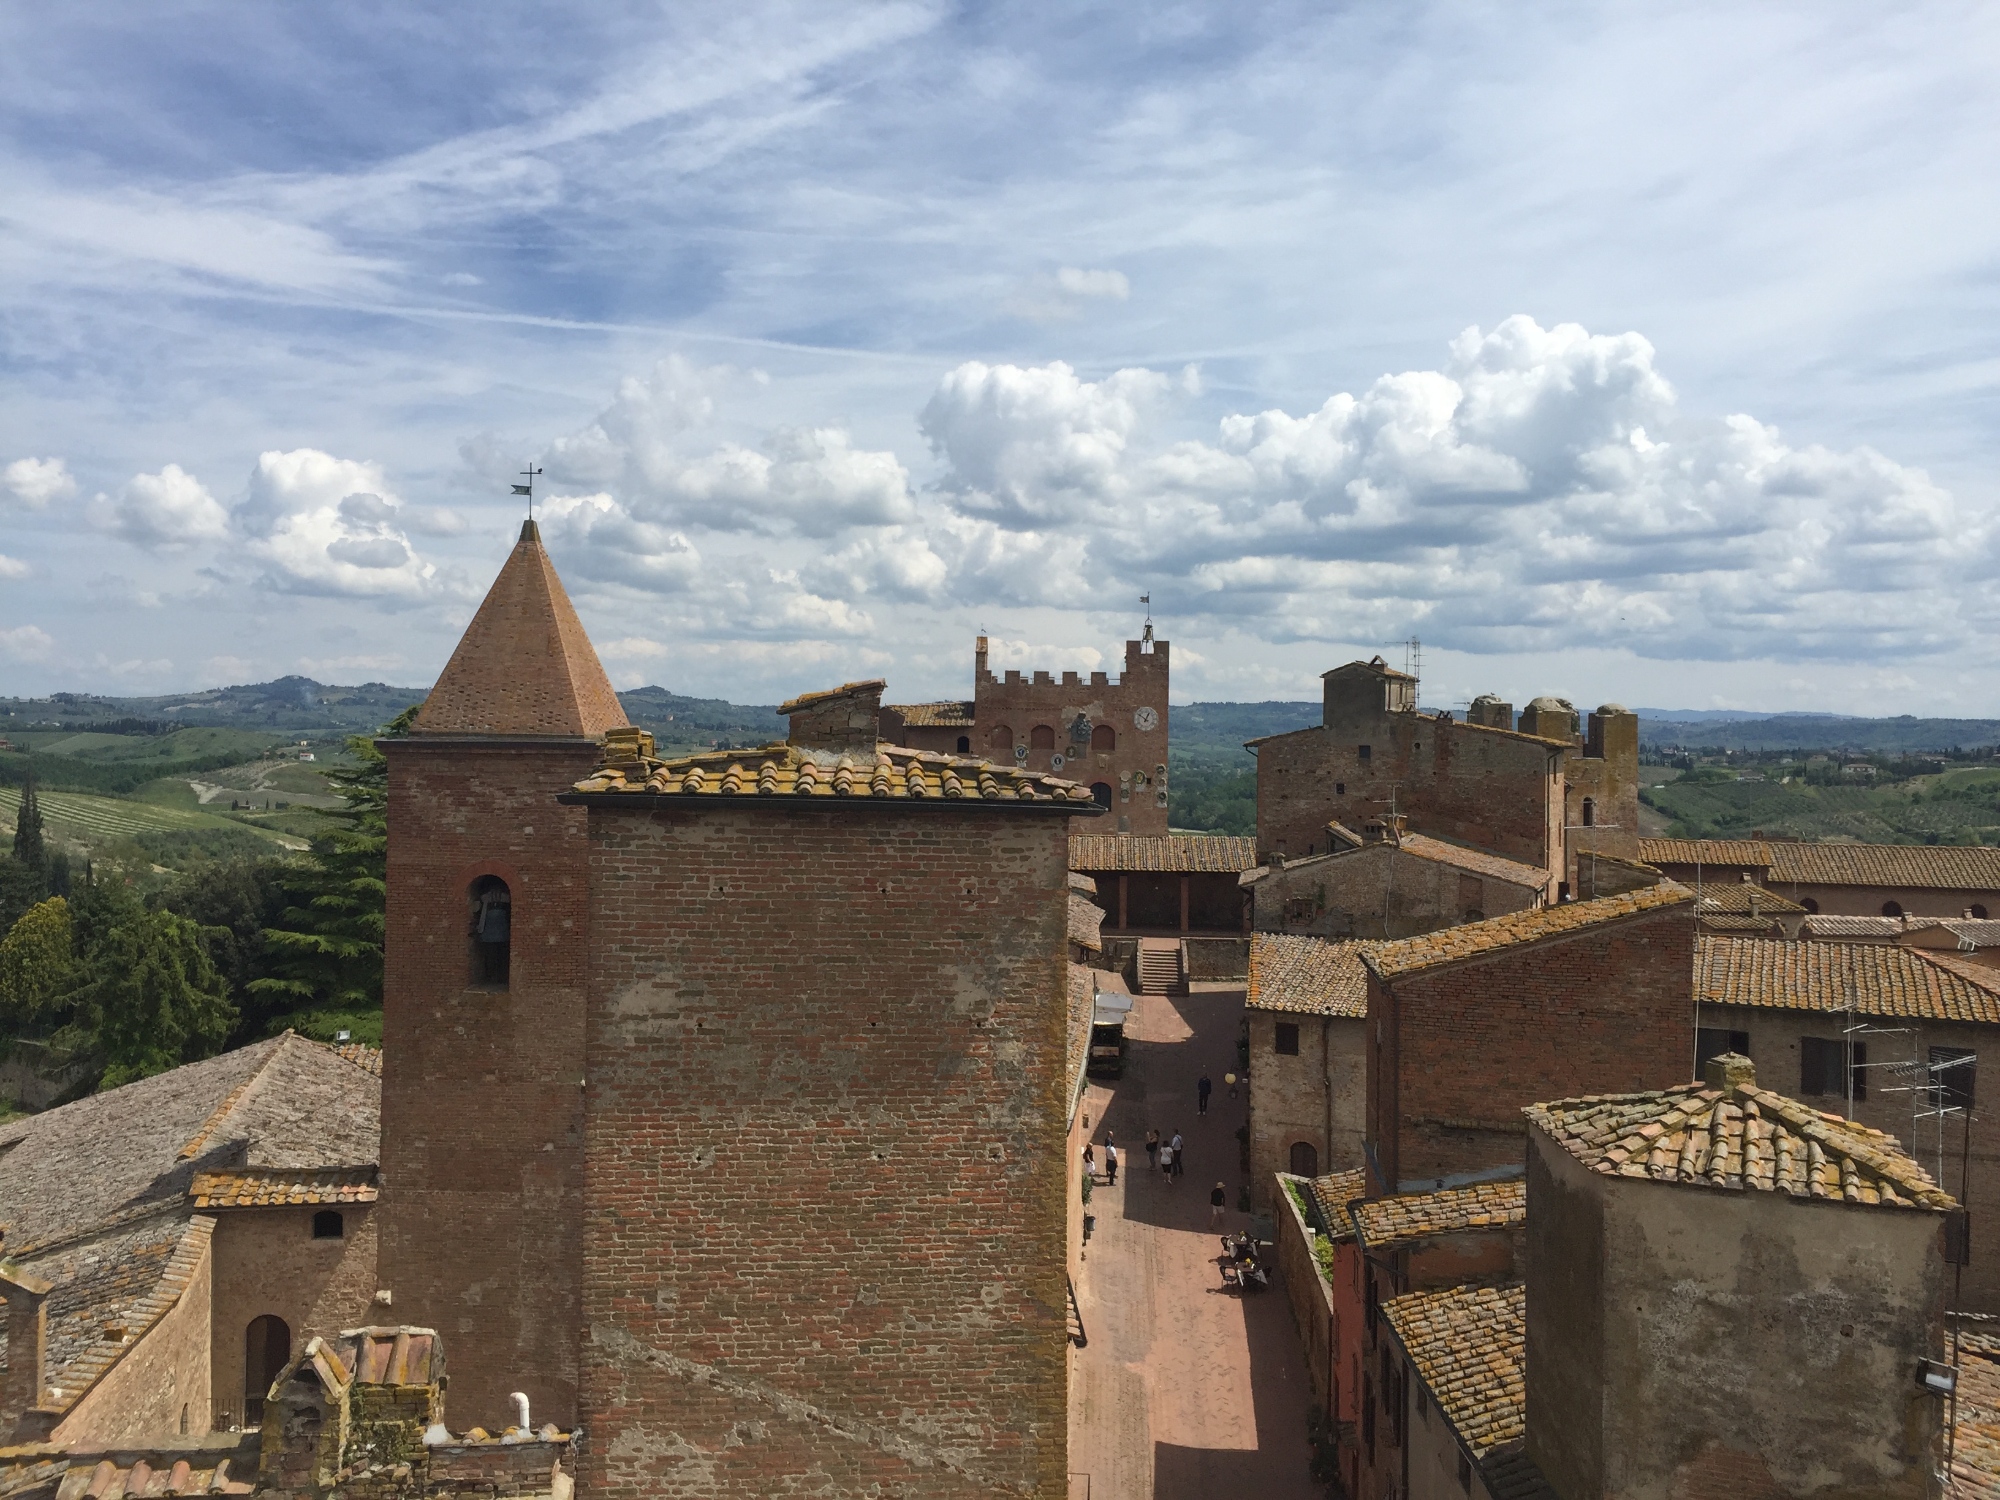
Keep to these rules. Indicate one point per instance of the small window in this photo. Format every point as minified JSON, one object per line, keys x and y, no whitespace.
{"x":1713,"y":1041}
{"x":1892,"y":908}
{"x":328,"y":1225}
{"x":1589,"y":813}
{"x":1286,"y":1041}
{"x":1811,"y":906}
{"x":1042,"y":737}
{"x":1367,"y":752}
{"x":965,"y":744}
{"x":1305,"y":1159}
{"x":1821,"y":1070}
{"x":492,"y":932}
{"x":1951,"y":1077}
{"x":1103,"y":739}
{"x":1340,"y":789}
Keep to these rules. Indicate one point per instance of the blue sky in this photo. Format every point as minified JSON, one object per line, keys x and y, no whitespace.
{"x":1614,"y":353}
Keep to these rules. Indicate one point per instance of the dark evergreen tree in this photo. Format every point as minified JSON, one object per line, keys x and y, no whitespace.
{"x":28,"y":847}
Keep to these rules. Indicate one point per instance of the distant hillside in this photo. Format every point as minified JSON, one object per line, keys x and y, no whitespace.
{"x":1216,"y":731}
{"x":1819,"y":732}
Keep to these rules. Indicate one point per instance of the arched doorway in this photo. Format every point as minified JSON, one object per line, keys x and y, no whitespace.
{"x":267,"y":1349}
{"x":1305,"y":1159}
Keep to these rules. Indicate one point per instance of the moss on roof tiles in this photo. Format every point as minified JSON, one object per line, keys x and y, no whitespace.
{"x":786,"y":772}
{"x":1469,"y":1346}
{"x":1877,"y":979}
{"x":1495,"y":934}
{"x":1307,"y":975}
{"x":1403,"y":1217}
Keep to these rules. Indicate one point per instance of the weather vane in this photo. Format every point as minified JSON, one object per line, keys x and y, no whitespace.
{"x":528,"y":489}
{"x":1147,"y":635}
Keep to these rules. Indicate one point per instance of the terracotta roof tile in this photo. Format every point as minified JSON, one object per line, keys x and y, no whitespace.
{"x":1086,"y":920}
{"x":1730,"y":1134}
{"x":1975,"y":1468}
{"x":367,"y":1059}
{"x":1743,"y":897}
{"x":1474,"y":861}
{"x":1880,"y":929}
{"x":1734,"y":853}
{"x":276,"y":1187}
{"x":1419,"y":1216}
{"x":1477,"y":939}
{"x":1335,"y":1191}
{"x":219,"y":1464}
{"x":933,"y":715}
{"x":1936,"y":867}
{"x":794,"y":773}
{"x":525,"y":664}
{"x":1307,"y":975}
{"x":1881,"y":979}
{"x":108,"y":1293}
{"x":1469,"y":1346}
{"x":1168,"y":853}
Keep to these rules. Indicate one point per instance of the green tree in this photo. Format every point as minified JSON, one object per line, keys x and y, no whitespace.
{"x":149,"y":999}
{"x":325,"y":954}
{"x":28,"y":847}
{"x":37,"y":967}
{"x":233,"y":901}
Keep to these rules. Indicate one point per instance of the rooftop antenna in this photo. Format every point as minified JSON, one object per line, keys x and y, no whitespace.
{"x":1146,"y":636}
{"x":528,"y":489}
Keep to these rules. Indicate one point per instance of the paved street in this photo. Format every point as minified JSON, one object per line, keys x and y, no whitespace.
{"x":1185,"y":1391}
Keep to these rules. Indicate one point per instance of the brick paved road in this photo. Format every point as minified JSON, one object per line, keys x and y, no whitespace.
{"x":1184,"y":1392}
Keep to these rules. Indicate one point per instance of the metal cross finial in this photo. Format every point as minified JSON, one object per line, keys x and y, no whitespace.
{"x":528,"y":489}
{"x":1146,"y":636}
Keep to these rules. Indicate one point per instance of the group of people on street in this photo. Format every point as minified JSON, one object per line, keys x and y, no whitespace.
{"x":1168,"y":1156}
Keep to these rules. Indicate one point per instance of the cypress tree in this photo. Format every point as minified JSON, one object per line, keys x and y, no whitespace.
{"x":28,"y":849}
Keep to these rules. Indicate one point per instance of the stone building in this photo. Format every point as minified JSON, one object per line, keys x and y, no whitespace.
{"x":1472,"y":1023}
{"x":1389,"y":883}
{"x":169,"y":1244}
{"x":825,"y":1201}
{"x":487,"y":945}
{"x":1305,"y":1018}
{"x":1181,"y":884}
{"x":1109,"y":736}
{"x":1850,"y":880}
{"x":1691,"y":1254}
{"x":1891,"y":1036}
{"x":1539,"y":794}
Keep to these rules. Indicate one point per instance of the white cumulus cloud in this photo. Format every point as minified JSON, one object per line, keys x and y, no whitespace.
{"x":168,"y":510}
{"x":324,"y":525}
{"x":12,"y":567}
{"x":34,"y":482}
{"x":26,"y":642}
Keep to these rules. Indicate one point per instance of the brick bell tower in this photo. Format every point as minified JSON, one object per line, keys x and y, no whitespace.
{"x":488,"y":923}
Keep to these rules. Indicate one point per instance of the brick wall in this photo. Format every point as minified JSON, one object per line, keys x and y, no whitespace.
{"x":481,"y":1096}
{"x":267,"y":1262}
{"x":1008,"y":710}
{"x":1463,"y":1047}
{"x":1378,"y":891}
{"x":826,"y":1194}
{"x":1292,"y":1097}
{"x":1480,"y":786}
{"x":159,"y":1387}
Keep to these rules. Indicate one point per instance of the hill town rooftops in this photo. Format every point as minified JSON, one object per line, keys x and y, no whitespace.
{"x":1477,"y":939}
{"x":1877,"y":979}
{"x":785,"y":774}
{"x":1469,"y":1345}
{"x":1404,"y":1217}
{"x":524,"y":665}
{"x":1726,"y":1132}
{"x":1731,"y":853}
{"x":1170,"y":853}
{"x":1306,"y":975}
{"x":1935,"y":867}
{"x":1744,"y":898}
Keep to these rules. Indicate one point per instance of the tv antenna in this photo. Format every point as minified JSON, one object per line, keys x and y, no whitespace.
{"x":528,"y":489}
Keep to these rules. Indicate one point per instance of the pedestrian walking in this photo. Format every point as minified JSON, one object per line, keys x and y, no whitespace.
{"x":1216,"y":1200}
{"x":1089,"y":1161}
{"x":1201,"y":1092}
{"x":1167,"y":1162}
{"x":1179,"y":1165}
{"x":1152,"y":1149}
{"x":1110,"y":1162}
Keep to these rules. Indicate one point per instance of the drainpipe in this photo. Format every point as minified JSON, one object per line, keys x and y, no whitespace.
{"x":520,"y":1400}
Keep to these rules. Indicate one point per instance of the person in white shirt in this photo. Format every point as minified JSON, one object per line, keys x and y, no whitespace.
{"x":1110,"y":1162}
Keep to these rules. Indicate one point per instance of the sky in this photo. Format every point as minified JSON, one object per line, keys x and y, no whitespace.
{"x":1635,"y":354}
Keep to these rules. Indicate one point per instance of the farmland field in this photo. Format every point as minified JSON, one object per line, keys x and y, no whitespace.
{"x":90,"y":819}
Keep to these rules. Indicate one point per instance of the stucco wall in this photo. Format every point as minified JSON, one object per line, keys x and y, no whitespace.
{"x":1292,"y":1098}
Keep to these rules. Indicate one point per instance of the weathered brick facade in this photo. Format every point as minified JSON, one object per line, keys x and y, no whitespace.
{"x":1315,"y":1096}
{"x":1491,"y":788}
{"x":1458,"y":1049}
{"x":826,"y":1186}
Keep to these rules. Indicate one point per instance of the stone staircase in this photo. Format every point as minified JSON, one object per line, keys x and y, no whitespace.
{"x":1159,"y":966}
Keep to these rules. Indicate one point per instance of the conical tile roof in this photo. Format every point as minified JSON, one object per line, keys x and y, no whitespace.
{"x":524,"y":665}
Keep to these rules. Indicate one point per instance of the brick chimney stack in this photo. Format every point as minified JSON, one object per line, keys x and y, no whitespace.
{"x":844,"y":719}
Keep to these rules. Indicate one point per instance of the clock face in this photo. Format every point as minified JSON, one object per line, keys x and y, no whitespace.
{"x":1145,"y":719}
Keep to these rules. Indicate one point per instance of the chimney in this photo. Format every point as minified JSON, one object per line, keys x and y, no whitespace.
{"x":27,"y":1354}
{"x":1731,"y":1072}
{"x":846,"y":718}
